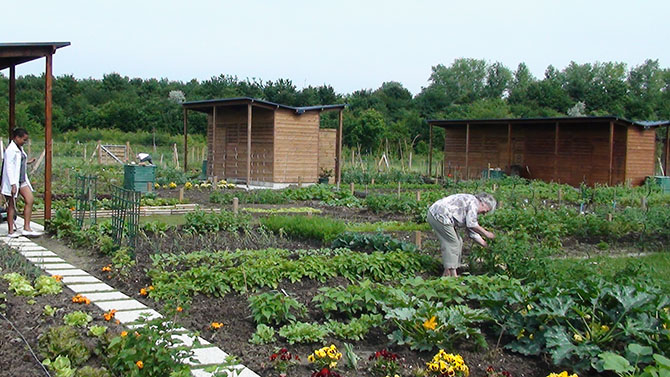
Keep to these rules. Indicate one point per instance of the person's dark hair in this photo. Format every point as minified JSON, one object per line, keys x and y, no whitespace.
{"x":19,"y":132}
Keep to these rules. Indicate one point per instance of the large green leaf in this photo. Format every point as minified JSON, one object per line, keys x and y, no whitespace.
{"x":616,"y":363}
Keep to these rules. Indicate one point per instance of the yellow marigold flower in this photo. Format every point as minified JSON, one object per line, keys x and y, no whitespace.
{"x":430,"y":324}
{"x":124,"y":334}
{"x":151,"y":287}
{"x":578,"y":338}
{"x":172,"y":185}
{"x":140,"y":364}
{"x":156,"y":185}
{"x":531,"y":336}
{"x":332,"y":364}
{"x":310,"y":358}
{"x":605,"y":328}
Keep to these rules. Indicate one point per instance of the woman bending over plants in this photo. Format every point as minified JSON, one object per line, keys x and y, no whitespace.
{"x":459,"y":210}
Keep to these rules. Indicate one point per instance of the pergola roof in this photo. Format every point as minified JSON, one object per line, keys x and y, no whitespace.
{"x":17,"y":53}
{"x":590,"y":119}
{"x":204,"y":105}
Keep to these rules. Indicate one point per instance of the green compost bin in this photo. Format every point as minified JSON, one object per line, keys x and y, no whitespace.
{"x":664,"y":182}
{"x":136,"y":177}
{"x":494,"y":173}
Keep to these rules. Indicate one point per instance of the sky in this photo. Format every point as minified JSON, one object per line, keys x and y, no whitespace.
{"x":350,"y":45}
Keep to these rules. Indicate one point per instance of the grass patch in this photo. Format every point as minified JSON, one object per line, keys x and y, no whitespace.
{"x":655,"y":267}
{"x":316,"y":228}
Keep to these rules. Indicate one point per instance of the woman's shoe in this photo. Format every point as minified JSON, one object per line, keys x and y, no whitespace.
{"x":32,"y":233}
{"x":15,"y":234}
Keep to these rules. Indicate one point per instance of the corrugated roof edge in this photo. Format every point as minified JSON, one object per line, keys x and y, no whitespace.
{"x":299,"y":110}
{"x":646,"y":124}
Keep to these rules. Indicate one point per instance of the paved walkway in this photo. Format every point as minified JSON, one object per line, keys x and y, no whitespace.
{"x":107,"y":298}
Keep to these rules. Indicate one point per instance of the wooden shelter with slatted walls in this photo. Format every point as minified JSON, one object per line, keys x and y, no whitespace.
{"x":572,"y":150}
{"x":263,"y":143}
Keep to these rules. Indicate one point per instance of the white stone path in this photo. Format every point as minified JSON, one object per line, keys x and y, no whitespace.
{"x":106,"y":298}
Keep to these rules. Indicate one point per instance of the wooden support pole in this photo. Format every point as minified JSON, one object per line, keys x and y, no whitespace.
{"x":667,"y":151}
{"x":418,"y":196}
{"x":398,"y":189}
{"x":372,"y":181}
{"x":127,"y":154}
{"x":85,"y":152}
{"x":185,"y":140}
{"x":99,"y":150}
{"x":150,"y":187}
{"x":611,"y":154}
{"x":351,"y":188}
{"x":556,"y":136}
{"x":509,"y":146}
{"x":417,"y":238}
{"x":181,"y":195}
{"x":236,"y":205}
{"x":48,"y":142}
{"x":12,"y":100}
{"x":212,"y":171}
{"x":560,"y":196}
{"x":467,"y":151}
{"x":430,"y":151}
{"x":338,"y":151}
{"x":248,"y":144}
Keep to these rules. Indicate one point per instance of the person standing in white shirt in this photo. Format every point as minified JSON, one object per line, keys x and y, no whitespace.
{"x":15,"y":181}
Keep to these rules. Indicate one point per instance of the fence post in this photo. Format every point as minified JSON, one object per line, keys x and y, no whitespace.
{"x":417,"y":238}
{"x":181,"y":195}
{"x":236,"y":205}
{"x":150,"y":187}
{"x":99,"y":152}
{"x":351,"y":188}
{"x":418,"y":196}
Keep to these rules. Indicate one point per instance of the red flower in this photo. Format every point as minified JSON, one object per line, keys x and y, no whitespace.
{"x":273,"y":357}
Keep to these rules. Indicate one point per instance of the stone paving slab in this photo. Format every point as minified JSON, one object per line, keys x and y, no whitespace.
{"x":41,"y":253}
{"x":80,"y":279}
{"x":55,"y":266}
{"x":70,"y":272}
{"x":31,"y":247}
{"x":207,"y":356}
{"x":90,"y":288}
{"x":119,"y":305}
{"x":46,"y":260}
{"x":244,"y":372}
{"x":134,"y":315}
{"x":102,"y":296}
{"x":188,"y":340}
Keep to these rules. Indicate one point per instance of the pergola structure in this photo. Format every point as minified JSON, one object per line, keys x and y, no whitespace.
{"x":13,"y":54}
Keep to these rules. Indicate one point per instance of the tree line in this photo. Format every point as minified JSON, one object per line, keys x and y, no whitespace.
{"x":387,"y":117}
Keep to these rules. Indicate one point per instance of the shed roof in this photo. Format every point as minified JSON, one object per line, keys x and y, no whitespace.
{"x":17,"y":53}
{"x":584,"y":119}
{"x":204,"y":105}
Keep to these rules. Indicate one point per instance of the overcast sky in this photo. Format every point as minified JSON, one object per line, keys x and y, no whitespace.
{"x":350,"y":45}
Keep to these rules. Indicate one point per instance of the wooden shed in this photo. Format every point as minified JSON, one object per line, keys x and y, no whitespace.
{"x":268,"y":144}
{"x":572,"y":150}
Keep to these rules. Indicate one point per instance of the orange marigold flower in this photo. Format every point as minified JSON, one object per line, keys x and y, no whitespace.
{"x":216,"y":325}
{"x":140,"y":364}
{"x":58,"y":277}
{"x":124,"y":334}
{"x":107,"y":268}
{"x":151,"y":287}
{"x":143,"y":292}
{"x":118,"y":322}
{"x":109,"y":315}
{"x":180,"y":309}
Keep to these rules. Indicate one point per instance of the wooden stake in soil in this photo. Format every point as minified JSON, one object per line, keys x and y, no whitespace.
{"x":417,"y":238}
{"x":99,"y":152}
{"x":84,"y":152}
{"x":418,"y":196}
{"x":150,"y":187}
{"x":236,"y":205}
{"x":644,"y":202}
{"x":181,"y":195}
{"x":351,"y":188}
{"x":560,"y":196}
{"x":398,"y":189}
{"x":372,"y":181}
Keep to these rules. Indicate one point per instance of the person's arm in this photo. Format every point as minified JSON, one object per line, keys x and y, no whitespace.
{"x":479,"y":229}
{"x":477,"y":238}
{"x":13,"y":169}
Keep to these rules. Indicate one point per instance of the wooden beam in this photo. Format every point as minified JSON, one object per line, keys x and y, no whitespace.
{"x":212,"y":172}
{"x":12,"y":99}
{"x":338,"y":151}
{"x":509,"y":147}
{"x":248,"y":145}
{"x":467,"y":151}
{"x":430,"y":151}
{"x":185,"y":140}
{"x":556,"y":131}
{"x":667,"y":150}
{"x":48,"y":143}
{"x":611,"y":162}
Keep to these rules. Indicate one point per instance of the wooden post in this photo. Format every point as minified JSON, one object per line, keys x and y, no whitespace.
{"x":644,"y":202}
{"x":99,"y":152}
{"x":556,"y":136}
{"x":372,"y":181}
{"x":611,"y":162}
{"x":85,"y":152}
{"x":127,"y":154}
{"x":353,"y":155}
{"x":338,"y":151}
{"x":150,"y":187}
{"x":48,"y":142}
{"x":185,"y":141}
{"x":560,"y":196}
{"x":29,"y":148}
{"x":409,"y":165}
{"x":67,"y":175}
{"x":351,"y":188}
{"x":430,"y":151}
{"x":181,"y":195}
{"x":509,"y":146}
{"x":248,"y":144}
{"x":667,"y":150}
{"x":161,"y":161}
{"x":398,"y":189}
{"x":212,"y":171}
{"x":467,"y":151}
{"x":236,"y":205}
{"x":12,"y":100}
{"x":418,"y":196}
{"x":488,"y":171}
{"x":417,"y":238}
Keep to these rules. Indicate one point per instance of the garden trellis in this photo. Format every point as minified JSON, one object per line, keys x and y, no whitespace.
{"x":126,"y":216}
{"x":86,"y":199}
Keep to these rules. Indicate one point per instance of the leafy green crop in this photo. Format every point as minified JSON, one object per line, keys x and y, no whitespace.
{"x":275,"y":308}
{"x":48,"y":285}
{"x":77,"y":319}
{"x":302,"y":332}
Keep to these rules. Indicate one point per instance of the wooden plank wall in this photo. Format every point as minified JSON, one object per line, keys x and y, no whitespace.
{"x":640,"y":154}
{"x":583,"y":153}
{"x":231,"y":148}
{"x":327,"y":140}
{"x":296,"y":147}
{"x":488,"y":145}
